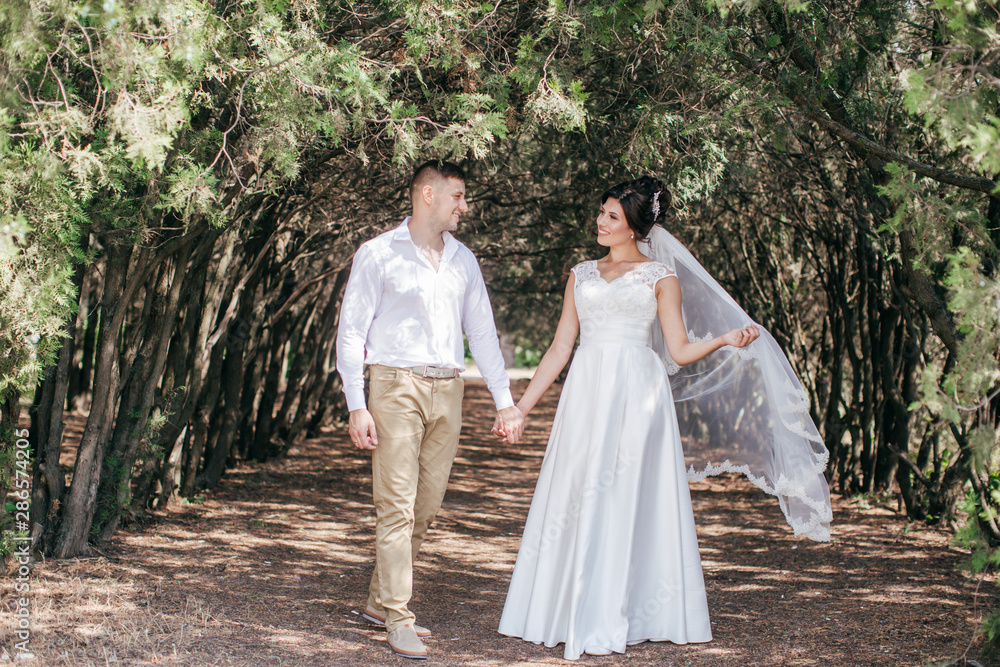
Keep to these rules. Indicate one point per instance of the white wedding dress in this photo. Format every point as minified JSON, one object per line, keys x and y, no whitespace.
{"x":609,"y":555}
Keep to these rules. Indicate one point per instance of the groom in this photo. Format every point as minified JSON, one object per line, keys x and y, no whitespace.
{"x":411,"y":293}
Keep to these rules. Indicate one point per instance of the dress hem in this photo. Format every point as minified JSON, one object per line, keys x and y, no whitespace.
{"x":585,"y":651}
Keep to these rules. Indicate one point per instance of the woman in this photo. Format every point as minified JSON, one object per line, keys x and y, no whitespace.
{"x":609,"y":555}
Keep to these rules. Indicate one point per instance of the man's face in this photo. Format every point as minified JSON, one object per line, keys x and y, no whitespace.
{"x":449,"y":204}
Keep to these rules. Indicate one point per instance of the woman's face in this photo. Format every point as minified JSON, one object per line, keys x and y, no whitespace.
{"x":612,"y":229}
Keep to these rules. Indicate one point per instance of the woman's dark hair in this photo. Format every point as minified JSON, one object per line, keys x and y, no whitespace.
{"x":637,"y":198}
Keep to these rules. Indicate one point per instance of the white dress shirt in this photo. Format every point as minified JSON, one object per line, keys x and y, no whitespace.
{"x":398,"y":311}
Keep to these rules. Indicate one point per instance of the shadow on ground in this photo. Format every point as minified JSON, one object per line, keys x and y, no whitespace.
{"x":272,"y":568}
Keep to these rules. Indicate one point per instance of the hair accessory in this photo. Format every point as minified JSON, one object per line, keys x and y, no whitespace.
{"x":656,"y":205}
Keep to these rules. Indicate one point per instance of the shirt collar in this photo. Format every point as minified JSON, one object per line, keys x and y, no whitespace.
{"x":402,"y":233}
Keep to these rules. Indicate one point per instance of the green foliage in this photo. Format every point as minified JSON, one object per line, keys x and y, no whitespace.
{"x":934,"y":216}
{"x":123,"y":118}
{"x":948,"y":91}
{"x":527,"y":356}
{"x":954,"y":95}
{"x":983,"y":558}
{"x":9,"y":542}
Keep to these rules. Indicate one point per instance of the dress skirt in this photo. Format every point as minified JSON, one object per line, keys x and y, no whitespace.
{"x":609,"y":555}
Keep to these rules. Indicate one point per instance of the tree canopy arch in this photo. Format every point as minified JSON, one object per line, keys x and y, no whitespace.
{"x":185,"y":184}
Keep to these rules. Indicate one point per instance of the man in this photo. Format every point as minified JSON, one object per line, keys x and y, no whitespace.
{"x":411,"y":293}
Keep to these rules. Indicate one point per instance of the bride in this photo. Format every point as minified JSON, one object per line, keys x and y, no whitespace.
{"x":609,"y":555}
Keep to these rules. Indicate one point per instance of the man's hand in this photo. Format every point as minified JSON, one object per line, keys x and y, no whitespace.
{"x":509,"y":424}
{"x":361,"y":427}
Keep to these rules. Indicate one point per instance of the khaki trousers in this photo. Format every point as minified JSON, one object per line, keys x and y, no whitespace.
{"x":417,"y":421}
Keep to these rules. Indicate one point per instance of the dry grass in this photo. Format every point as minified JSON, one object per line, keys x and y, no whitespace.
{"x":272,"y":569}
{"x":81,"y":617}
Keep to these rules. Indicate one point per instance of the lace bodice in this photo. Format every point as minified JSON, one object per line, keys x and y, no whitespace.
{"x":619,"y":311}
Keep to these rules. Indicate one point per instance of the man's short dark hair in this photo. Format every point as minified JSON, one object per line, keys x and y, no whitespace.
{"x":434,"y":169}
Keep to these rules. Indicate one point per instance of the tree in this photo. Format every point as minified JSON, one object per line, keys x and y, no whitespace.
{"x":191,"y":151}
{"x":203,"y":176}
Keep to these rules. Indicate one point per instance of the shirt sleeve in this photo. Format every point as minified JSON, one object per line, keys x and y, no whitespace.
{"x":480,"y":329}
{"x":357,"y":310}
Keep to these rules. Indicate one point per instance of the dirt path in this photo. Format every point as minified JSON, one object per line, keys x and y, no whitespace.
{"x":272,"y":568}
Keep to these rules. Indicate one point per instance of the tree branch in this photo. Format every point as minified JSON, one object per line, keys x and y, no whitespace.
{"x":863,"y":144}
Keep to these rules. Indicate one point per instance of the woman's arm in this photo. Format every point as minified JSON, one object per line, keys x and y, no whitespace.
{"x":552,"y":363}
{"x":557,"y":355}
{"x":682,"y":350}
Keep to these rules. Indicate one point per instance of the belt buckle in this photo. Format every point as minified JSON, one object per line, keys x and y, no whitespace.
{"x":436,"y":373}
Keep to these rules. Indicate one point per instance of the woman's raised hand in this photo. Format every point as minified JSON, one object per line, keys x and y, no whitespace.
{"x":742,"y":337}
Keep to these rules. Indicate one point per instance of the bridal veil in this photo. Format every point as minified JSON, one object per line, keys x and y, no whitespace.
{"x":742,"y":410}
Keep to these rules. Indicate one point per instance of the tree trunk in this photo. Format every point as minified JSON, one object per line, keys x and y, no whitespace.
{"x":312,"y":397}
{"x":201,"y":420}
{"x":329,"y":399}
{"x":261,"y":447}
{"x":49,"y":482}
{"x":78,"y":512}
{"x":229,"y":415}
{"x":182,"y":383}
{"x":137,"y":400}
{"x":82,"y":371}
{"x":253,"y":366}
{"x":299,"y":380}
{"x":168,"y":478}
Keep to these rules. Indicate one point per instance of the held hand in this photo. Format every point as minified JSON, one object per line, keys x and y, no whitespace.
{"x":511,"y":424}
{"x":742,"y":337}
{"x":498,"y":429}
{"x":361,"y":427}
